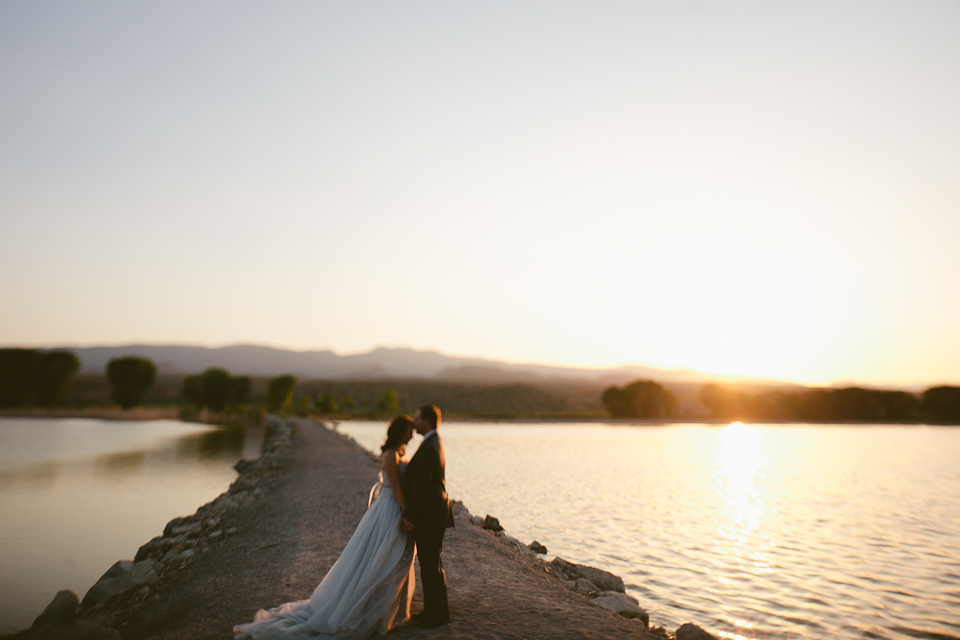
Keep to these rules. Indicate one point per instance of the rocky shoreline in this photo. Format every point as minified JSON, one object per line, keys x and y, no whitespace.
{"x":125,"y":587}
{"x":125,"y":600}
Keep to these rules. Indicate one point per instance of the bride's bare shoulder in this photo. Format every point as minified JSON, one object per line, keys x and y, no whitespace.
{"x":390,"y":458}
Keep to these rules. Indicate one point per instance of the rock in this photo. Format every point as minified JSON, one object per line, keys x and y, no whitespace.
{"x":585,"y":585}
{"x":564,"y":566}
{"x":477,"y":520}
{"x":231,"y":531}
{"x":491,"y":524}
{"x":243,"y":465}
{"x":87,"y":630}
{"x":176,"y":522}
{"x":172,"y":554}
{"x":624,"y":605}
{"x":59,"y":612}
{"x":121,"y":579}
{"x":187,"y":530}
{"x":215,"y":534}
{"x":459,"y":509}
{"x":690,"y":631}
{"x":536,"y":547}
{"x":154,"y":549}
{"x":603,"y":579}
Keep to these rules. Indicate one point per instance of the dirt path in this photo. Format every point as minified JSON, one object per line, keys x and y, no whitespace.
{"x":287,"y":540}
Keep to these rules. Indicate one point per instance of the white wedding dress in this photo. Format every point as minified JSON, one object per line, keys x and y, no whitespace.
{"x":368,"y":590}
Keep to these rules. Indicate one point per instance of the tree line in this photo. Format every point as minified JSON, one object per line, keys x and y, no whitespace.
{"x":850,"y":404}
{"x":37,"y":378}
{"x":646,"y":399}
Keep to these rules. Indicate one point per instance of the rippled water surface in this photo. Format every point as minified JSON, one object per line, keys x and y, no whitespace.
{"x":786,"y":531}
{"x":77,"y":495}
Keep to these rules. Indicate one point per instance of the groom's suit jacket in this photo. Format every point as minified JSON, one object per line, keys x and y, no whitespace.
{"x":425,"y":489}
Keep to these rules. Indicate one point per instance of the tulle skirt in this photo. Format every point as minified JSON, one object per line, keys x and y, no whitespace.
{"x":368,"y":590}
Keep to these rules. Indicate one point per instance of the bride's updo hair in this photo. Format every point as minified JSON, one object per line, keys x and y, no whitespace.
{"x":395,"y":432}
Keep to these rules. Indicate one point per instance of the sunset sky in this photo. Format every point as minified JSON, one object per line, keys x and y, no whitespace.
{"x":763,"y":189}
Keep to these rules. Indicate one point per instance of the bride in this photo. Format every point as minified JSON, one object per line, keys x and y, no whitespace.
{"x":369,"y":588}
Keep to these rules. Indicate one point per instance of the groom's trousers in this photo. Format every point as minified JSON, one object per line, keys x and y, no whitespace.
{"x":429,"y":546}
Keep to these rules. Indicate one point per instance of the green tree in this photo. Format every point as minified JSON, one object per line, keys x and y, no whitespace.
{"x":348,"y":403}
{"x":328,"y":403}
{"x":280,"y":392}
{"x":56,"y":370}
{"x":130,"y":378}
{"x":389,"y":403}
{"x":192,"y":390}
{"x":31,"y":377}
{"x":640,"y":399}
{"x":216,"y":389}
{"x":303,"y":406}
{"x":18,"y":375}
{"x":239,"y":391}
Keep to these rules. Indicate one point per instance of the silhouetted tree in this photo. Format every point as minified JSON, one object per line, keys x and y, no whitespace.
{"x":18,"y":376}
{"x":389,"y":403}
{"x":640,"y":399}
{"x":239,"y":390}
{"x":328,"y":403}
{"x":130,"y":378}
{"x":56,"y":369}
{"x":303,"y":406}
{"x":941,"y":404}
{"x":31,"y":377}
{"x":216,"y":389}
{"x":280,"y":392}
{"x":192,"y":390}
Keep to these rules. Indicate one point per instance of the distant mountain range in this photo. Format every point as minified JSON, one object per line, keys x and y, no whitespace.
{"x":377,"y":364}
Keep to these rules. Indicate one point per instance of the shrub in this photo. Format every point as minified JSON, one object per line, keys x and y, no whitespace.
{"x":640,"y":399}
{"x":280,"y":392}
{"x":130,"y":377}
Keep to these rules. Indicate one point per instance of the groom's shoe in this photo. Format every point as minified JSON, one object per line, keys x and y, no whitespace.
{"x":431,"y":622}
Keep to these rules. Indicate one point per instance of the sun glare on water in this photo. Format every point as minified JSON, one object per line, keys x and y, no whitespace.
{"x":741,"y":464}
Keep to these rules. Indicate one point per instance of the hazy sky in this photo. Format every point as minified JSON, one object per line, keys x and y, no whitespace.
{"x":766,"y":189}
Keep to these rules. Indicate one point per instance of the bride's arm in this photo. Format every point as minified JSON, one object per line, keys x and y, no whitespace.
{"x":388,"y":461}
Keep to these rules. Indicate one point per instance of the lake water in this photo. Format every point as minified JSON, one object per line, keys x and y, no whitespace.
{"x":76,"y":495}
{"x":751,"y":531}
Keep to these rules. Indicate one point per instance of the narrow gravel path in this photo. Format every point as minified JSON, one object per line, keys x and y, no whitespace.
{"x":287,"y":540}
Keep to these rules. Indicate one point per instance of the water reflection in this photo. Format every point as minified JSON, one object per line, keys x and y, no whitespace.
{"x":114,"y":465}
{"x":77,"y":495}
{"x":37,"y":476}
{"x":216,"y":444}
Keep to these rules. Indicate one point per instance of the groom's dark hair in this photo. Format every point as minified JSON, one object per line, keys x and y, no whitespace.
{"x":430,"y":413}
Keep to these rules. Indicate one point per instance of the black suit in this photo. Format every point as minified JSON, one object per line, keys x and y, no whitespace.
{"x":428,"y":509}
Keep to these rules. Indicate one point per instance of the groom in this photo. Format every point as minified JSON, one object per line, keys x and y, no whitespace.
{"x":428,"y":515}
